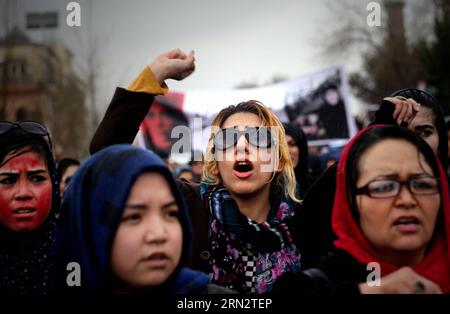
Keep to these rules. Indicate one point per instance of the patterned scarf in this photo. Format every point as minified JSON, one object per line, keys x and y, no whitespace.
{"x":245,"y":255}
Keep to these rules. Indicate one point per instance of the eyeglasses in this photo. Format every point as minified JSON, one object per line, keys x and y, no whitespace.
{"x":260,"y":137}
{"x":425,"y":185}
{"x":31,"y":127}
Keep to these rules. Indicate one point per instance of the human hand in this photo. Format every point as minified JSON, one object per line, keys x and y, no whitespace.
{"x":174,"y":64}
{"x":403,"y":280}
{"x":405,"y":109}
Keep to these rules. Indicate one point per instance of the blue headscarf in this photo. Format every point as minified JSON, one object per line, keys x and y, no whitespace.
{"x":92,"y":207}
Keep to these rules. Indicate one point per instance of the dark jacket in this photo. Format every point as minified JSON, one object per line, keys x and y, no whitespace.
{"x":337,"y":273}
{"x":314,"y":235}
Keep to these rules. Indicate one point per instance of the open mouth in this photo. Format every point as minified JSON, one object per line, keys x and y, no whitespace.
{"x":21,"y":211}
{"x":407,"y":221}
{"x":243,"y":166}
{"x":408,"y":224}
{"x":157,"y":260}
{"x":157,"y":257}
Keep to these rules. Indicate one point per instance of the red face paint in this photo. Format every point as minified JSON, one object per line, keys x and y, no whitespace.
{"x":25,"y":192}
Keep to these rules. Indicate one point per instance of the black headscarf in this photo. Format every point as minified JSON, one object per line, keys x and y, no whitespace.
{"x":301,"y":170}
{"x":26,"y":258}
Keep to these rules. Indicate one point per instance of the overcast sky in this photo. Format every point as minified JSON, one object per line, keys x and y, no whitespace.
{"x":235,"y":41}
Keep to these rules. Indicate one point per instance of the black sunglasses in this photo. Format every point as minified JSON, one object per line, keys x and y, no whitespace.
{"x":260,"y":137}
{"x":30,"y":127}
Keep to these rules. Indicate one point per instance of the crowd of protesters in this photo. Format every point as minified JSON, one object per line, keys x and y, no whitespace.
{"x":253,"y":216}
